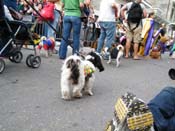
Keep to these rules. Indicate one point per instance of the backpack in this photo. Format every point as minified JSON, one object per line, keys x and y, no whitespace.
{"x":135,"y":14}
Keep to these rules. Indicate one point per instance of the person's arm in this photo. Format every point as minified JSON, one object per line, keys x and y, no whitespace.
{"x":87,"y":2}
{"x":123,"y":9}
{"x":115,"y":7}
{"x":144,"y":13}
{"x":81,"y":4}
{"x":62,"y":1}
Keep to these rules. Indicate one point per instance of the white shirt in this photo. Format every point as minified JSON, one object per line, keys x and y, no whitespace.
{"x":106,"y":13}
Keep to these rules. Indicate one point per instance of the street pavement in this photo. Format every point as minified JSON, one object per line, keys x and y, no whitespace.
{"x":30,"y":99}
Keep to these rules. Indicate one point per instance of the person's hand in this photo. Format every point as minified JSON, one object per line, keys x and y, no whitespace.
{"x":125,"y":20}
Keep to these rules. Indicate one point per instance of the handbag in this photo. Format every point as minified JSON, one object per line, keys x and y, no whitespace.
{"x":47,"y":12}
{"x":16,"y":15}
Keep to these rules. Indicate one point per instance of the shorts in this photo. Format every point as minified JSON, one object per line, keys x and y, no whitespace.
{"x":135,"y":35}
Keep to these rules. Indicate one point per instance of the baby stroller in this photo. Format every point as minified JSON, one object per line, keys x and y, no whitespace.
{"x":13,"y":35}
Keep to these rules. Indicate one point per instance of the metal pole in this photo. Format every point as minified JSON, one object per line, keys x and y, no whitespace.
{"x":168,"y":9}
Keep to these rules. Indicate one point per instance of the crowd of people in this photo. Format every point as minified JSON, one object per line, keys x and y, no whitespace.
{"x":129,"y":31}
{"x":137,"y":36}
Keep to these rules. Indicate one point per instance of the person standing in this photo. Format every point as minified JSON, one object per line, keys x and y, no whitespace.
{"x":160,"y":32}
{"x":107,"y":22}
{"x":49,"y":32}
{"x":71,"y":21}
{"x":135,"y":12}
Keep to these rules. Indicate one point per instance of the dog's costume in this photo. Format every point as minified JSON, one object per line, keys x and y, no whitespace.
{"x":47,"y":44}
{"x":88,"y":70}
{"x":133,"y":112}
{"x":147,"y":34}
{"x":36,"y":38}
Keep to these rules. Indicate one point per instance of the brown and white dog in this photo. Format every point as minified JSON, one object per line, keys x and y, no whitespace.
{"x":115,"y":53}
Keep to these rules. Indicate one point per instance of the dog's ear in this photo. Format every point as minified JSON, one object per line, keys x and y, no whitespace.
{"x":69,"y":63}
{"x":90,"y":57}
{"x":78,"y":62}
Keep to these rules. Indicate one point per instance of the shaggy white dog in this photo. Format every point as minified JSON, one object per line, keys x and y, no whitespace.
{"x":78,"y":75}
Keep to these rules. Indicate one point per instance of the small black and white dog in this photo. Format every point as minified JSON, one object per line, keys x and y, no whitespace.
{"x":115,"y":52}
{"x":78,"y":75}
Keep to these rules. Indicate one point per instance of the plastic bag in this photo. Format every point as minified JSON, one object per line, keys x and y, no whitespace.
{"x":47,"y":12}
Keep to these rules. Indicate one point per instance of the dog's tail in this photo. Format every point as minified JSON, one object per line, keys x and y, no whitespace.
{"x":120,"y":47}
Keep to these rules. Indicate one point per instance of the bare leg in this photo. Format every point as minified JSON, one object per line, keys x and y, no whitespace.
{"x":136,"y":45}
{"x":128,"y":45}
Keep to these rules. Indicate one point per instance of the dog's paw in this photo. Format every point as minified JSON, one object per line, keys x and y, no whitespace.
{"x":88,"y":93}
{"x":77,"y":94}
{"x":117,"y":65}
{"x":66,"y":96}
{"x":108,"y":62}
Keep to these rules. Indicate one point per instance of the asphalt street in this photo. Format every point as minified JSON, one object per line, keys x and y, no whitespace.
{"x":30,"y":99}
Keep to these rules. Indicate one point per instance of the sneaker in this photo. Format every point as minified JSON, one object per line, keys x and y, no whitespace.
{"x":106,"y":57}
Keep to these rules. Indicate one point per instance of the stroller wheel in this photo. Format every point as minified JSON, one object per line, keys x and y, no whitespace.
{"x":17,"y":57}
{"x":36,"y":61}
{"x":29,"y":59}
{"x":11,"y":58}
{"x":2,"y":65}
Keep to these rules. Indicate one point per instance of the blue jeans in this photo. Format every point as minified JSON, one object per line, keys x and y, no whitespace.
{"x":70,"y":23}
{"x":163,"y":109}
{"x":108,"y":30}
{"x":49,"y":32}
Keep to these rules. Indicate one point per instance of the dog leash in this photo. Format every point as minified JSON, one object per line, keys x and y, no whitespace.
{"x":77,"y":52}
